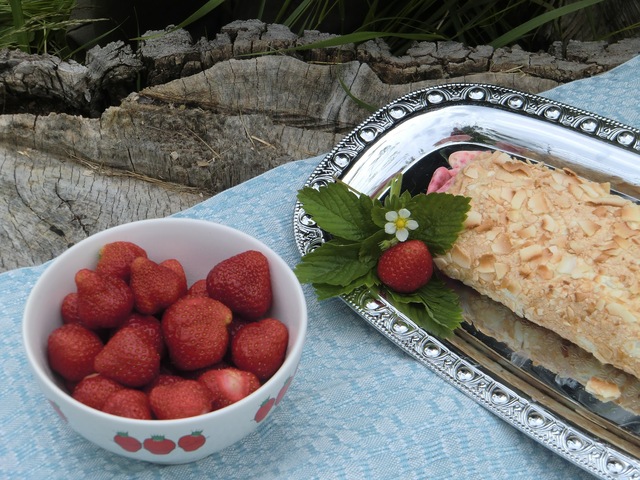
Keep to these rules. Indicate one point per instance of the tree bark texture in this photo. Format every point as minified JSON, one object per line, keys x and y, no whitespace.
{"x":81,"y":150}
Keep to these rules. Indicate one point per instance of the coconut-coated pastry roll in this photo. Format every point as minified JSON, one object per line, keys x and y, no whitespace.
{"x":556,"y":249}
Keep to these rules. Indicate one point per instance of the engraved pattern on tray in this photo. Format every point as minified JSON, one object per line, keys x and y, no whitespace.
{"x":521,"y":124}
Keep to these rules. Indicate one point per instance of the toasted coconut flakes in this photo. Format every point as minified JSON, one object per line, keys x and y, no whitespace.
{"x":460,"y":257}
{"x":630,"y":213}
{"x":623,"y":230}
{"x":549,"y":224}
{"x":538,"y":203}
{"x":507,"y":194}
{"x":567,"y":264}
{"x":511,"y":166}
{"x":543,"y":271}
{"x":518,"y":199}
{"x":486,"y":263}
{"x":619,"y":311}
{"x":603,"y":389}
{"x":623,"y":243}
{"x":501,"y":269}
{"x":588,"y":227}
{"x":613,"y":200}
{"x":473,"y":219}
{"x":502,"y":245}
{"x":526,"y":232}
{"x":511,"y":286}
{"x":593,"y":190}
{"x":576,"y":191}
{"x":601,"y":211}
{"x":495,"y":194}
{"x":559,"y":178}
{"x":471,"y":172}
{"x":531,"y":252}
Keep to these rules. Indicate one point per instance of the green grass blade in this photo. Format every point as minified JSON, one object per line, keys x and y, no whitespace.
{"x":197,"y":15}
{"x":360,"y":37}
{"x":361,"y":103}
{"x":201,"y":12}
{"x":22,"y":36}
{"x":521,"y":30}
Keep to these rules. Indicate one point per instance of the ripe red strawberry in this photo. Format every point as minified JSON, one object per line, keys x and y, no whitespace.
{"x":187,"y":398}
{"x":195,"y":332}
{"x":162,"y":379}
{"x":94,"y":390}
{"x":69,"y":308}
{"x":104,"y":301}
{"x":198,"y":289}
{"x":115,"y":258}
{"x":260,"y":347}
{"x":235,"y":325}
{"x":176,"y":266}
{"x":228,"y":385}
{"x":243,"y":283}
{"x":150,"y":327}
{"x":406,"y":266}
{"x":129,"y":403}
{"x":155,"y":286}
{"x":71,"y":350}
{"x":128,"y":358}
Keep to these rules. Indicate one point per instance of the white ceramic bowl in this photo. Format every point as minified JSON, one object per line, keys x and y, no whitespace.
{"x":199,"y":245}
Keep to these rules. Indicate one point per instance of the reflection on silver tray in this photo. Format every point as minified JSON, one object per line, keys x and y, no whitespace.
{"x":541,"y":395}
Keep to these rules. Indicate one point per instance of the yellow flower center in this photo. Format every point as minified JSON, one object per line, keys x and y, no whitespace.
{"x":401,"y":223}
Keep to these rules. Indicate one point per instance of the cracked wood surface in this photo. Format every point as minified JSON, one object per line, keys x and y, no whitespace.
{"x":64,"y":177}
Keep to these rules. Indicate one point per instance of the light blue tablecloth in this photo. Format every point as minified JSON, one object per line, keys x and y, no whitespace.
{"x":359,"y":408}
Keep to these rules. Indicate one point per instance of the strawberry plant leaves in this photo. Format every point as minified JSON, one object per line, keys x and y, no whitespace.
{"x":434,"y":307}
{"x":356,"y":224}
{"x":325,"y":291}
{"x":440,"y":217}
{"x":339,"y":211}
{"x":333,"y":263}
{"x":370,"y":249}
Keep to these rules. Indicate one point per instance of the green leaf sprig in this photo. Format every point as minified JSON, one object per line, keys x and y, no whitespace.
{"x":356,"y":224}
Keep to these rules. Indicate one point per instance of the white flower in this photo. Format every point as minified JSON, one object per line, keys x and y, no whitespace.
{"x":399,"y":223}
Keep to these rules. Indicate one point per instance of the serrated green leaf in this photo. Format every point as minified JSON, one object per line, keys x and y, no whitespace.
{"x":333,"y":263}
{"x":325,"y":291}
{"x":370,"y":250}
{"x":440,"y":218}
{"x":434,"y":307}
{"x":424,"y":318}
{"x":339,"y":211}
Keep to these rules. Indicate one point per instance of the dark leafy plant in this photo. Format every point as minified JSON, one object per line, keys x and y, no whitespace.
{"x":40,"y":25}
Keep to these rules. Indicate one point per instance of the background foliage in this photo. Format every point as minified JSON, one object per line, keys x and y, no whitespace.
{"x":44,"y":26}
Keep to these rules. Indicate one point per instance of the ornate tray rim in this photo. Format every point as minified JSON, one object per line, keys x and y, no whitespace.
{"x":585,"y":449}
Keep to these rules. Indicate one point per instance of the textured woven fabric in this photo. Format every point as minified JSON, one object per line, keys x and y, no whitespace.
{"x":613,"y":94}
{"x":359,"y":407}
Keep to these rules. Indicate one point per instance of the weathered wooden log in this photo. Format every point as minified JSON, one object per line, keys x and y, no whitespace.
{"x":43,"y":83}
{"x":111,"y":156}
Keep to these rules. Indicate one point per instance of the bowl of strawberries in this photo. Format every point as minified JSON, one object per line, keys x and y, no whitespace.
{"x":165,"y":340}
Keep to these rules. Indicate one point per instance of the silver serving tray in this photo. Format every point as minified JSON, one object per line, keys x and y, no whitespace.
{"x":526,"y":375}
